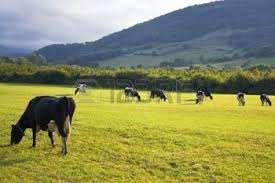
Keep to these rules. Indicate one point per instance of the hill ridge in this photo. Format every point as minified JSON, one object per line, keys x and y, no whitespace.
{"x":191,"y":23}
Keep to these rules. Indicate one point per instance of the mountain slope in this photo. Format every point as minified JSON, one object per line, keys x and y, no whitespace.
{"x":248,"y":26}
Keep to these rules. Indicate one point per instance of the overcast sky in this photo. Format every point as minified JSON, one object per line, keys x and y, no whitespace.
{"x":37,"y":23}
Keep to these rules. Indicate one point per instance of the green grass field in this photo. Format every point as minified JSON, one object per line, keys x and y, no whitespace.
{"x":217,"y":141}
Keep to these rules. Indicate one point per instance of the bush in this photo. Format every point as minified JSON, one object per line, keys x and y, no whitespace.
{"x":51,"y":77}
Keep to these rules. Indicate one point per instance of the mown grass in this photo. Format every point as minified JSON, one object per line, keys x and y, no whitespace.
{"x":142,"y":142}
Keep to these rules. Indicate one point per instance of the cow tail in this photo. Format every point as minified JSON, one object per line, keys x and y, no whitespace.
{"x":68,"y":118}
{"x":67,"y":124}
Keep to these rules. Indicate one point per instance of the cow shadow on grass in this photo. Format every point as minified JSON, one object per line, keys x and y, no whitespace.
{"x":11,"y":162}
{"x":4,"y":145}
{"x":189,"y":102}
{"x":6,"y":162}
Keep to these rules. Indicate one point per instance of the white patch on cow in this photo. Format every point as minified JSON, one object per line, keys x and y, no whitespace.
{"x":200,"y":98}
{"x":67,"y":125}
{"x":241,"y":100}
{"x":82,"y":88}
{"x":67,"y":130}
{"x":52,"y":126}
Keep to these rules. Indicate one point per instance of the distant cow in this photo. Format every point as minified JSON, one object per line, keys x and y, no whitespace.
{"x":131,"y":92}
{"x":207,"y":93}
{"x":159,"y":94}
{"x":241,"y":98}
{"x":48,"y":114}
{"x":200,"y":97}
{"x":265,"y":100}
{"x":80,"y":88}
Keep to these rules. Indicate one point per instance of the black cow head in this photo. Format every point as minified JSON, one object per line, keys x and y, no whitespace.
{"x":269,"y":102}
{"x":211,"y":97}
{"x":17,"y":134}
{"x":138,"y":96}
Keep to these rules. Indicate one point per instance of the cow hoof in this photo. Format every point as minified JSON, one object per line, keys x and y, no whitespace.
{"x":64,"y":152}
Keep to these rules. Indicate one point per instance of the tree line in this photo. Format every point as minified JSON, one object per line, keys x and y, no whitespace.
{"x":254,"y":80}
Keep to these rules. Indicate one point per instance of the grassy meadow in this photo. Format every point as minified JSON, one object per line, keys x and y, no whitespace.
{"x":117,"y":141}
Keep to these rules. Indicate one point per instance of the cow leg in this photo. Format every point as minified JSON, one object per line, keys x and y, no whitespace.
{"x":63,"y":135}
{"x":51,"y":138}
{"x":262,"y":102}
{"x":64,"y":145}
{"x":76,"y":91}
{"x":34,"y":136}
{"x":64,"y":131}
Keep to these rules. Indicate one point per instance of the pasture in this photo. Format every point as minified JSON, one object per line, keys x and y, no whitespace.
{"x":117,"y":141}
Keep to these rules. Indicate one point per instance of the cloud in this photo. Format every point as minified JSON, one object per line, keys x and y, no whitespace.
{"x":33,"y":24}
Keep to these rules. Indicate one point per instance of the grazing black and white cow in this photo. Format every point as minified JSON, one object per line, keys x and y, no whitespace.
{"x":241,"y":98}
{"x":265,"y":100}
{"x":80,"y":88}
{"x":207,"y":93}
{"x":48,"y":114}
{"x":159,"y":94}
{"x":200,"y":97}
{"x":131,"y":92}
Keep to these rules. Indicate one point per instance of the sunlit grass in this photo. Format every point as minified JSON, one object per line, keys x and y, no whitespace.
{"x":113,"y":140}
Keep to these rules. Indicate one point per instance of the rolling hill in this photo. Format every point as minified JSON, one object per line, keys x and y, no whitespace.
{"x":213,"y":33}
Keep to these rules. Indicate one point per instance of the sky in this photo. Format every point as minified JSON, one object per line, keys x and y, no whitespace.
{"x":36,"y":23}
